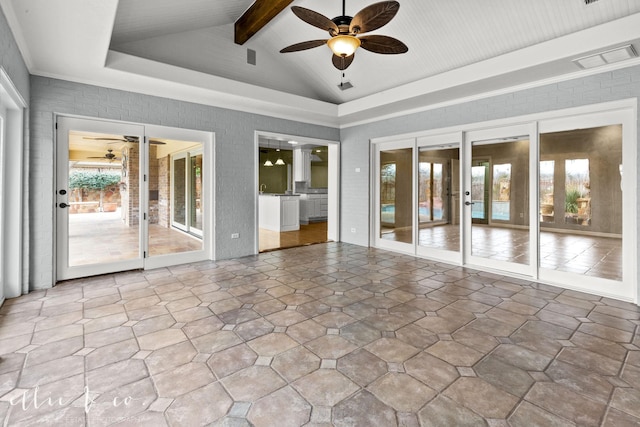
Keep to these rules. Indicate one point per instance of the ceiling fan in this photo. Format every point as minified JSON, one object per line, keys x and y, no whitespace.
{"x":344,"y":31}
{"x":109,"y":156}
{"x":125,"y":138}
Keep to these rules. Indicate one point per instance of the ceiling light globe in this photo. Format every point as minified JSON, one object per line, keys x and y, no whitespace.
{"x":343,"y":45}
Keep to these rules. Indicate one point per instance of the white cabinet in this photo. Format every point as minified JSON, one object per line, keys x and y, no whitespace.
{"x":313,"y":207}
{"x":279,"y":212}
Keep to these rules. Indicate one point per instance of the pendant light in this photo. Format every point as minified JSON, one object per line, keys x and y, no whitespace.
{"x":268,"y":163}
{"x":279,"y":162}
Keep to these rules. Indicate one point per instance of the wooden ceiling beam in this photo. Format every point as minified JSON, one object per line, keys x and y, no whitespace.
{"x":257,"y":16}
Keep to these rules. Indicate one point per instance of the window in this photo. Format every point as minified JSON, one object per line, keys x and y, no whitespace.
{"x":388,"y":192}
{"x":431,"y":190}
{"x":577,"y":193}
{"x":547,"y":169}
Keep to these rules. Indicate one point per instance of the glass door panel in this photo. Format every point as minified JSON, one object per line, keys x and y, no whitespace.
{"x":497,"y":200}
{"x":438,"y":207}
{"x":581,"y":201}
{"x":480,"y":191}
{"x":395,"y":215}
{"x":179,"y":193}
{"x":195,"y":193}
{"x":396,"y":195}
{"x":175,"y":197}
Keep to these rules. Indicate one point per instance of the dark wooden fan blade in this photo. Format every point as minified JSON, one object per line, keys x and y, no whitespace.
{"x":373,"y":17}
{"x":315,"y":19}
{"x":342,"y":62}
{"x":382,"y":44}
{"x":303,"y":46}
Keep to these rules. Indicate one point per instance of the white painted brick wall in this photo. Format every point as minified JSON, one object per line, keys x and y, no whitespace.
{"x":234,"y":157}
{"x":608,"y":86}
{"x":11,"y":59}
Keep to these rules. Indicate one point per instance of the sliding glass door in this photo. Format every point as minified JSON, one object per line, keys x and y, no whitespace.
{"x":395,"y":200}
{"x":498,"y":213}
{"x":587,"y":177}
{"x":186,"y":176}
{"x":438,"y":199}
{"x":551,"y":200}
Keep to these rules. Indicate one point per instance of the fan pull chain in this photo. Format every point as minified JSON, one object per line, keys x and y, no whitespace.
{"x":342,"y":80}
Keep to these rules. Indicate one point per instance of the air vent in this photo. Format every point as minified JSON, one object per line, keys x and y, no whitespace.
{"x":607,"y":57}
{"x":251,"y":57}
{"x":345,"y":85}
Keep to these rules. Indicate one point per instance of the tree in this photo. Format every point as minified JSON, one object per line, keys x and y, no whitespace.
{"x":92,"y":180}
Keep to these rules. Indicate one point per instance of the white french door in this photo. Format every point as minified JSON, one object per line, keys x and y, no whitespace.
{"x":126,"y":201}
{"x":500,"y":229}
{"x":438,"y":209}
{"x":186,"y":183}
{"x":395,"y":196}
{"x":99,"y":205}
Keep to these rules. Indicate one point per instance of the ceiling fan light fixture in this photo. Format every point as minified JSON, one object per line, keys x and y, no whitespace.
{"x":343,"y":45}
{"x":268,"y":163}
{"x":279,"y":162}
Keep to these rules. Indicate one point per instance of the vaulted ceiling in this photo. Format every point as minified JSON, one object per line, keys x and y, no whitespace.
{"x":185,"y":50}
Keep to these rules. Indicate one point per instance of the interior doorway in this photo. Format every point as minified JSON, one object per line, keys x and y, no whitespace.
{"x":297,"y":191}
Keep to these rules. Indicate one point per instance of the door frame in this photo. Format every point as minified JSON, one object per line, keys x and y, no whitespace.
{"x":333,"y":189}
{"x":626,"y":112}
{"x":443,"y":141}
{"x":498,"y":135}
{"x":207,"y":139}
{"x":628,"y":118}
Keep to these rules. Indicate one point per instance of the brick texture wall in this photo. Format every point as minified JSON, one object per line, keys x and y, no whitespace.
{"x":235,"y":183}
{"x":355,"y":148}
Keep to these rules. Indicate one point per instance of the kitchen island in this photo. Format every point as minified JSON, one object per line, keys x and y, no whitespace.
{"x":279,"y":212}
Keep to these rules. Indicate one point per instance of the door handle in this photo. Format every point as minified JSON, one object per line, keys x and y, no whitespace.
{"x":63,"y":205}
{"x":469,"y":203}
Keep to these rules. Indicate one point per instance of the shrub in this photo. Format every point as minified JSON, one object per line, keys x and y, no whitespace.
{"x":93,"y":180}
{"x":571,"y":200}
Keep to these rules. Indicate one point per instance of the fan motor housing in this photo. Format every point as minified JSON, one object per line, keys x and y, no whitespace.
{"x":343,"y":23}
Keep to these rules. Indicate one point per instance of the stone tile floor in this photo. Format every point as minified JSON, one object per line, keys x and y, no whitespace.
{"x":329,"y":334}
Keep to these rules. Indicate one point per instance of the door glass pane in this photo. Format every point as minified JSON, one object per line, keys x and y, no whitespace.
{"x":438,"y":198}
{"x":581,"y":211}
{"x":396,"y":195}
{"x":500,"y":215}
{"x":195,"y":195}
{"x":479,"y":191}
{"x":501,"y":196}
{"x":576,"y":192}
{"x":103,"y":198}
{"x":179,"y":191}
{"x":547,"y":202}
{"x":175,"y":196}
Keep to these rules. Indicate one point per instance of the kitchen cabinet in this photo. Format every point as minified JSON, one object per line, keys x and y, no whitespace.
{"x":278,"y":212}
{"x":313,"y":207}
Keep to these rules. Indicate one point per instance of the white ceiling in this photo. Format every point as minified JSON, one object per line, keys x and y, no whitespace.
{"x":457,"y":49}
